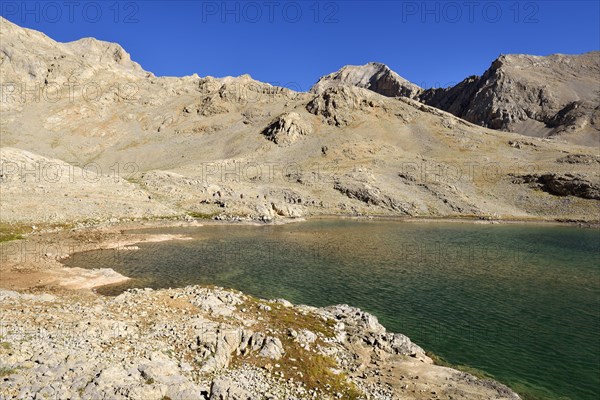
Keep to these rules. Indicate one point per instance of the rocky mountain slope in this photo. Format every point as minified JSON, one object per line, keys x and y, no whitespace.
{"x":537,"y":96}
{"x":553,"y":96}
{"x":236,"y":148}
{"x":73,"y":193}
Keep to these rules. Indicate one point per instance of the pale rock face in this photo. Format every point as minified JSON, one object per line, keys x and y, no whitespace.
{"x":288,"y":128}
{"x":226,"y":389}
{"x":55,"y":62}
{"x":373,"y":76}
{"x":339,"y":105}
{"x":272,"y":349}
{"x":559,"y":92}
{"x":103,"y":53}
{"x":161,"y":369}
{"x":29,"y":180}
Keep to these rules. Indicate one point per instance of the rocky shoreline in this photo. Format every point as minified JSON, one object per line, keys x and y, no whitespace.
{"x":61,"y":340}
{"x":211,"y":343}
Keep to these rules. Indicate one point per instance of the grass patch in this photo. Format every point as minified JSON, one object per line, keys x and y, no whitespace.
{"x":314,"y":370}
{"x":7,"y":237}
{"x":10,"y":232}
{"x":282,"y":318}
{"x":287,"y":318}
{"x":4,"y":371}
{"x":5,"y":345}
{"x":201,"y":215}
{"x":317,"y":372}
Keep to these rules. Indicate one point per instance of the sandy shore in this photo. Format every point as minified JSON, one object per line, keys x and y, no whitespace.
{"x":34,"y":263}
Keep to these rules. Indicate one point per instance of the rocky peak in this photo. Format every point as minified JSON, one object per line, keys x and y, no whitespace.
{"x":30,"y":57}
{"x":102,"y":53}
{"x":374,"y":76}
{"x":340,"y":105}
{"x":534,"y":95}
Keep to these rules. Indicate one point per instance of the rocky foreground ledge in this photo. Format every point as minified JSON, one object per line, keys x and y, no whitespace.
{"x":211,"y":343}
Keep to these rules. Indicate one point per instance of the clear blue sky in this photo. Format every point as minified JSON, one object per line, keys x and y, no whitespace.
{"x":293,"y":43}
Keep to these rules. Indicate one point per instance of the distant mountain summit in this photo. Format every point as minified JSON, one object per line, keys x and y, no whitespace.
{"x":373,"y":76}
{"x":533,"y":95}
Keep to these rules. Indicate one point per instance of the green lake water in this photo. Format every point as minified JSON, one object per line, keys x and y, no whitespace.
{"x":519,"y":302}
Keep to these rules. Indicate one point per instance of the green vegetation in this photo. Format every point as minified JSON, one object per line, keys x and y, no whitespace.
{"x":201,"y":215}
{"x":315,"y":370}
{"x":4,"y":371}
{"x":283,"y":318}
{"x":10,"y":232}
{"x":7,"y":237}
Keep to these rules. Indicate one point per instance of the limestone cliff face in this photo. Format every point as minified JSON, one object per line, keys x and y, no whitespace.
{"x":557,"y":94}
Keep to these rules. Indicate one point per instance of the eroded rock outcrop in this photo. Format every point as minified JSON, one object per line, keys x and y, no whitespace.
{"x":287,"y":128}
{"x":579,"y":159}
{"x":337,"y":105}
{"x":369,"y":194}
{"x":153,"y":344}
{"x":564,"y":184}
{"x":559,"y":92}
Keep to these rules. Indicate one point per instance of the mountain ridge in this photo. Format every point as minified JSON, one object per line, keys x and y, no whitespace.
{"x":345,"y":150}
{"x":542,"y":96}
